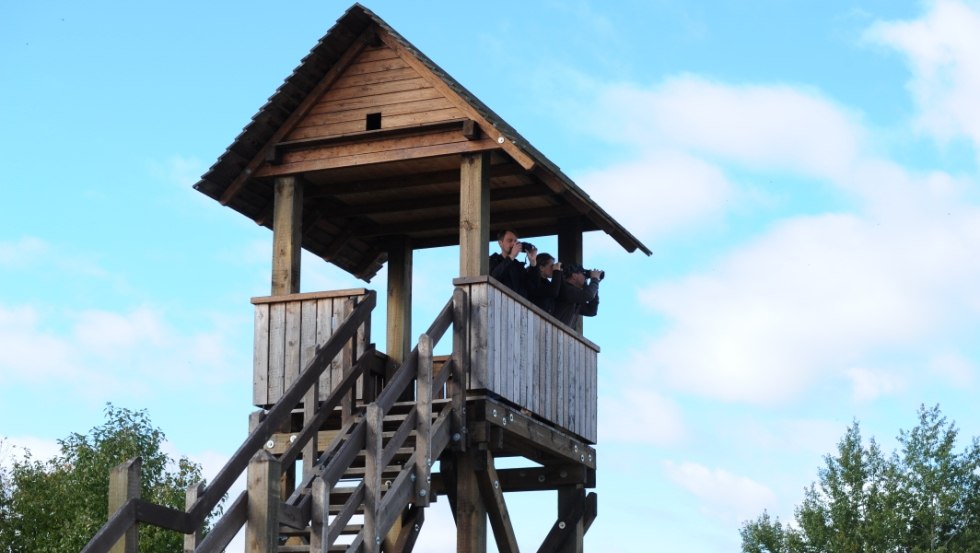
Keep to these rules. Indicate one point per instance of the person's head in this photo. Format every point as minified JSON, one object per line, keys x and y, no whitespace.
{"x":574,"y":275}
{"x":506,"y":239}
{"x":546,"y":264}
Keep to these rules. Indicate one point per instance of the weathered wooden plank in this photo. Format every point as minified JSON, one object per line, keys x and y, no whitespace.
{"x":260,"y":357}
{"x":474,"y":213}
{"x":412,"y":119}
{"x":319,"y":519}
{"x":423,"y":434}
{"x":456,"y":385}
{"x":377,"y":100}
{"x":471,"y":515}
{"x":324,"y":329}
{"x":329,"y":159}
{"x":287,"y":233}
{"x":372,"y":89}
{"x":337,"y":363}
{"x":360,"y":79}
{"x":311,"y":400}
{"x":372,"y":478}
{"x":561,"y":398}
{"x":192,"y":540}
{"x":493,"y":497}
{"x":374,"y":66}
{"x":124,"y":485}
{"x":294,"y":321}
{"x":277,"y":351}
{"x":346,"y":116}
{"x":373,"y":53}
{"x":346,"y":293}
{"x":262,"y":530}
{"x":480,"y":315}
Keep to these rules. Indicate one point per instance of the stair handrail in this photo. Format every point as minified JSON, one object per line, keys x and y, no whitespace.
{"x":187,"y":522}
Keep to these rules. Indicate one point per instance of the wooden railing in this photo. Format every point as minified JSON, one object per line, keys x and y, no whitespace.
{"x":305,"y":386}
{"x":524,"y":355}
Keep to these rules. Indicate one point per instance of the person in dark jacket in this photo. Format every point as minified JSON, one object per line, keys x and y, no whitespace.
{"x":543,"y":282}
{"x":505,"y":266}
{"x":577,"y":297}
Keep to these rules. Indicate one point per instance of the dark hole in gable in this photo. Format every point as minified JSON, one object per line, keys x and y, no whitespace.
{"x":373,"y":121}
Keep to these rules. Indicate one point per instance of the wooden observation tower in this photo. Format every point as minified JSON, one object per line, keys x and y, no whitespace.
{"x":366,"y":153}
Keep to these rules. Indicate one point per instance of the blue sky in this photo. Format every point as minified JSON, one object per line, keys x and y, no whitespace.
{"x":805,"y":173}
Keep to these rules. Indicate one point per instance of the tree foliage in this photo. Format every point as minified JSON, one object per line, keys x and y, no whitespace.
{"x":923,"y":497}
{"x":56,"y":506}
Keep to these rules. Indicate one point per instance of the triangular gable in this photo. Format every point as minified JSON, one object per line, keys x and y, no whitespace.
{"x":380,"y":90}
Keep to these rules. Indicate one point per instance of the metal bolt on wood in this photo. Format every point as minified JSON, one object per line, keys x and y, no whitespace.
{"x":270,"y":444}
{"x":292,"y":438}
{"x":540,"y":478}
{"x":561,"y":525}
{"x":423,"y":493}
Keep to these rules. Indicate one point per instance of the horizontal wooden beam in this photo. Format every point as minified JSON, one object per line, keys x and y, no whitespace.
{"x":360,"y":186}
{"x":274,"y":156}
{"x":514,"y":219}
{"x":431,"y":202}
{"x":544,"y":441}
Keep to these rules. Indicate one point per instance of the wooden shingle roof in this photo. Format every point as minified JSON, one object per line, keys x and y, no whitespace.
{"x":376,"y":130}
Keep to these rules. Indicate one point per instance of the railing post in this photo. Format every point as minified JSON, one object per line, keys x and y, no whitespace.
{"x":192,"y":540}
{"x":456,"y":385}
{"x":319,"y":520}
{"x":423,"y":433}
{"x":262,"y":529}
{"x":124,"y":484}
{"x":373,"y":449}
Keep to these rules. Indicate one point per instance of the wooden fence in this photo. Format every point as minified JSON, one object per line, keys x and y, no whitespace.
{"x":526,"y":356}
{"x":289,"y":328}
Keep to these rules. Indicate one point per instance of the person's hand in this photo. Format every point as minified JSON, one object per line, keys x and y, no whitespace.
{"x":557,"y":266}
{"x":594,"y":274}
{"x":532,"y":257}
{"x":518,"y":248}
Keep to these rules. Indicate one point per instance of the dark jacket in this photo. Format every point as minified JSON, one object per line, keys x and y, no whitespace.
{"x":541,"y":291}
{"x":510,"y":272}
{"x":574,"y":302}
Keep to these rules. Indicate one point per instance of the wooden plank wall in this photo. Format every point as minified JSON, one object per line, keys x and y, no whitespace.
{"x":531,"y":360}
{"x":288,"y":329}
{"x":377,"y":81}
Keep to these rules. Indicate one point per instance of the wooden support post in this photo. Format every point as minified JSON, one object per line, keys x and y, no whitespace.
{"x":411,"y":525}
{"x":311,"y":402}
{"x":456,"y":385}
{"x":474,"y":214}
{"x":570,"y":246}
{"x":399,"y":327}
{"x":124,"y":484}
{"x":287,"y":224}
{"x":192,"y":540}
{"x":262,"y":528}
{"x":319,"y":523}
{"x":373,"y":449}
{"x":471,"y":515}
{"x":423,"y":430}
{"x":493,"y":499}
{"x":571,"y":499}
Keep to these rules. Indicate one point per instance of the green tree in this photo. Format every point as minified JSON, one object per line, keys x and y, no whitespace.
{"x":923,"y":497}
{"x":56,"y":506}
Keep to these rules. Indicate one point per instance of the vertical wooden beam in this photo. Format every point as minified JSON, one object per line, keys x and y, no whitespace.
{"x":287,"y":226}
{"x":262,"y":528}
{"x":192,"y":540}
{"x":423,"y":430}
{"x":456,"y":385}
{"x":570,"y":246}
{"x":471,"y":515}
{"x":124,"y":484}
{"x":571,"y":507}
{"x":399,"y":327}
{"x":570,"y":241}
{"x":319,"y":519}
{"x":474,"y":214}
{"x":373,"y":449}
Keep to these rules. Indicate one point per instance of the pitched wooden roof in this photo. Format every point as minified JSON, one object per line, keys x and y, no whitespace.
{"x":376,"y":129}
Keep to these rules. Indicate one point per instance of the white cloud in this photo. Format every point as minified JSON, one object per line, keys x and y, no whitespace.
{"x":728,"y":496}
{"x":662,"y":192}
{"x":104,"y":353}
{"x":655,"y":419}
{"x":22,"y":252}
{"x":16,"y":448}
{"x":868,"y":384}
{"x":954,"y":368}
{"x":943,"y":49}
{"x":760,"y":126}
